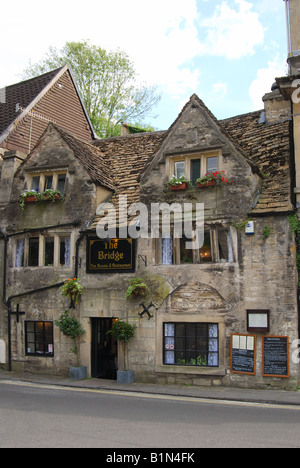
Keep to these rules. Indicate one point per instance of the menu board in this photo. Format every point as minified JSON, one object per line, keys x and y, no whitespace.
{"x":276,"y":356}
{"x":243,"y":354}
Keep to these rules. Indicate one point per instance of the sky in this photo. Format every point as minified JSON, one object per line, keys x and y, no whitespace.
{"x":228,"y":52}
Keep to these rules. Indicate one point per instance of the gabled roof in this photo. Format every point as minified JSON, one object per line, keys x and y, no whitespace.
{"x":23,"y":94}
{"x":20,"y":98}
{"x":90,"y":158}
{"x":268,"y":146}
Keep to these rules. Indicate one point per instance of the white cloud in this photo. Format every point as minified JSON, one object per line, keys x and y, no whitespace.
{"x":232,"y":33}
{"x":265,"y":78}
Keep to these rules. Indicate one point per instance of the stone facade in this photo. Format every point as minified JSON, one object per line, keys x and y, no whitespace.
{"x":257,"y":272}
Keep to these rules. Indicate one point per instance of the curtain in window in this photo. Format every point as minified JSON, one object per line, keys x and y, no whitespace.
{"x":167,"y":251}
{"x":20,"y":253}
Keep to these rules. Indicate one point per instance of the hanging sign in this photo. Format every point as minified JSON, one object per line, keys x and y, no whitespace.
{"x":243,"y":354}
{"x":110,"y":256}
{"x":276,"y":356}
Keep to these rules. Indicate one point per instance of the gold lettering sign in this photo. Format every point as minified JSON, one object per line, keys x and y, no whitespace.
{"x":116,"y":255}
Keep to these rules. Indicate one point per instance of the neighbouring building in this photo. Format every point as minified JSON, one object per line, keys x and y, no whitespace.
{"x":224,"y":312}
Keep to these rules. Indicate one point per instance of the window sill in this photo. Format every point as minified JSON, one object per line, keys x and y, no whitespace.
{"x":190,"y":370}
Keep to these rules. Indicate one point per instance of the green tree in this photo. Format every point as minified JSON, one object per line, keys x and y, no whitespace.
{"x":107,"y":82}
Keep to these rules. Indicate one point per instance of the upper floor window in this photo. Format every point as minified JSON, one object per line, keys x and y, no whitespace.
{"x":43,"y":251}
{"x":47,"y":180}
{"x":193,"y":166}
{"x":217,"y":248}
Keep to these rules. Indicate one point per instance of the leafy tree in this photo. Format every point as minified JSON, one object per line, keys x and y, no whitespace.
{"x":107,"y":82}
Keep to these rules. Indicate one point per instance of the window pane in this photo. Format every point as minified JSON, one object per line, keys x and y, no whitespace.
{"x":195,"y":344}
{"x":211,"y":164}
{"x":205,"y":251}
{"x":180,"y":169}
{"x":64,"y":253}
{"x":167,"y":251}
{"x":39,"y":338}
{"x":20,"y":253}
{"x":35,"y":183}
{"x":61,"y":182}
{"x":195,"y":170}
{"x":49,"y":251}
{"x":48,"y":182}
{"x":225,"y":246}
{"x":33,"y":257}
{"x":186,"y":255}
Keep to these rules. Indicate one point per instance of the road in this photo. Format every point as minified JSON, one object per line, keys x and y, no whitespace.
{"x":37,"y":416}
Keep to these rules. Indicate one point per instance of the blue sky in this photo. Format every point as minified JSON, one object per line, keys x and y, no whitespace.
{"x":228,"y":52}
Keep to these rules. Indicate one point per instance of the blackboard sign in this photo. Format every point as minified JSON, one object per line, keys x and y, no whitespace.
{"x":276,"y":356}
{"x":243,"y":354}
{"x":110,"y":256}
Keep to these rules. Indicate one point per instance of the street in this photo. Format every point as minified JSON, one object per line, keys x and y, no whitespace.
{"x":36,"y":416}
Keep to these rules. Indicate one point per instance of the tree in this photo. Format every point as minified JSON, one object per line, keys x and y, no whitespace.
{"x":107,"y":83}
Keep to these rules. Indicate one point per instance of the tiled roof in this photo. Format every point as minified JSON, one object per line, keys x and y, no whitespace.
{"x":23,"y":94}
{"x":268,"y":146}
{"x":127,"y":157}
{"x":90,"y":158}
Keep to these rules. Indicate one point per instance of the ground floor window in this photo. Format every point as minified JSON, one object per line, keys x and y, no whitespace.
{"x":191,"y":344}
{"x":39,"y":338}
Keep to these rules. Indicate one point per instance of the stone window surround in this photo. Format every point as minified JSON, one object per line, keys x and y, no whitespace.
{"x":171,"y":160}
{"x":43,"y":174}
{"x":214,"y":246}
{"x":197,"y":318}
{"x":42,"y":239}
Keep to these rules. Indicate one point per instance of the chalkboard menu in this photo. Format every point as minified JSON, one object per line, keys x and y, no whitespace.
{"x":110,"y":256}
{"x":276,"y":356}
{"x":243,"y":354}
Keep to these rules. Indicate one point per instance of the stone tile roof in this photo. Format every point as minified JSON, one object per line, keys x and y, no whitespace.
{"x":23,"y":94}
{"x":268,"y":146}
{"x":127,"y":157}
{"x":90,"y":158}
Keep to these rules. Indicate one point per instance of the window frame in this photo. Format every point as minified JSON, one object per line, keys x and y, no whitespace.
{"x":44,"y":176}
{"x":44,"y":333}
{"x":173,"y":347}
{"x":214,"y":246}
{"x":188,"y":158}
{"x":58,"y":237}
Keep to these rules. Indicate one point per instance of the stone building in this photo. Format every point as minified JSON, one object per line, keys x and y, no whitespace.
{"x":213,"y":306}
{"x":223,"y":311}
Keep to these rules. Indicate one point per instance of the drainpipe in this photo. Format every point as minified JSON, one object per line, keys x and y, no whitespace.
{"x":5,"y":302}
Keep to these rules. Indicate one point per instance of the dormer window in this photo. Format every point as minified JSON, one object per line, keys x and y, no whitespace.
{"x":47,"y":180}
{"x":193,"y":166}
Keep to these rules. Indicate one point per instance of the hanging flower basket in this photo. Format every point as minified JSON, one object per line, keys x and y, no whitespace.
{"x":72,"y":289}
{"x":137,"y":288}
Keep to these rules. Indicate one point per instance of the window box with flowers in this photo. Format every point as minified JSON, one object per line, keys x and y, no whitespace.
{"x":213,"y":179}
{"x":180,"y":183}
{"x":31,"y":196}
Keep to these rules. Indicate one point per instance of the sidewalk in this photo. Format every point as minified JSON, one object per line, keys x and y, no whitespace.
{"x":278,"y":397}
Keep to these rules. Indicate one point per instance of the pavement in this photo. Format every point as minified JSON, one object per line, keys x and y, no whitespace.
{"x":269,"y":396}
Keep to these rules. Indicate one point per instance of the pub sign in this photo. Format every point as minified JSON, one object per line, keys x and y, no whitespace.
{"x":110,"y":255}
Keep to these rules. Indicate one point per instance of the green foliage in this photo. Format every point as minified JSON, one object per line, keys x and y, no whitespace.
{"x":49,"y":194}
{"x":137,"y":287}
{"x":174,"y":182}
{"x":122,"y":331}
{"x":69,"y":326}
{"x":266,"y":232}
{"x":107,"y":82}
{"x":72,"y":289}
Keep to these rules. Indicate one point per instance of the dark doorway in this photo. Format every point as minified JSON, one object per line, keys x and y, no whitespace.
{"x":104,"y":350}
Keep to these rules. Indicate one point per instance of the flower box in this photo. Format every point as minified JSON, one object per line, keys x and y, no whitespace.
{"x":182,"y":186}
{"x":213,"y":183}
{"x":30,"y":199}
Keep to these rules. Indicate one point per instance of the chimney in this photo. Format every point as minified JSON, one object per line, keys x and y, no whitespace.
{"x":124,"y":129}
{"x":293,"y":35}
{"x":11,"y":162}
{"x":277,"y":108}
